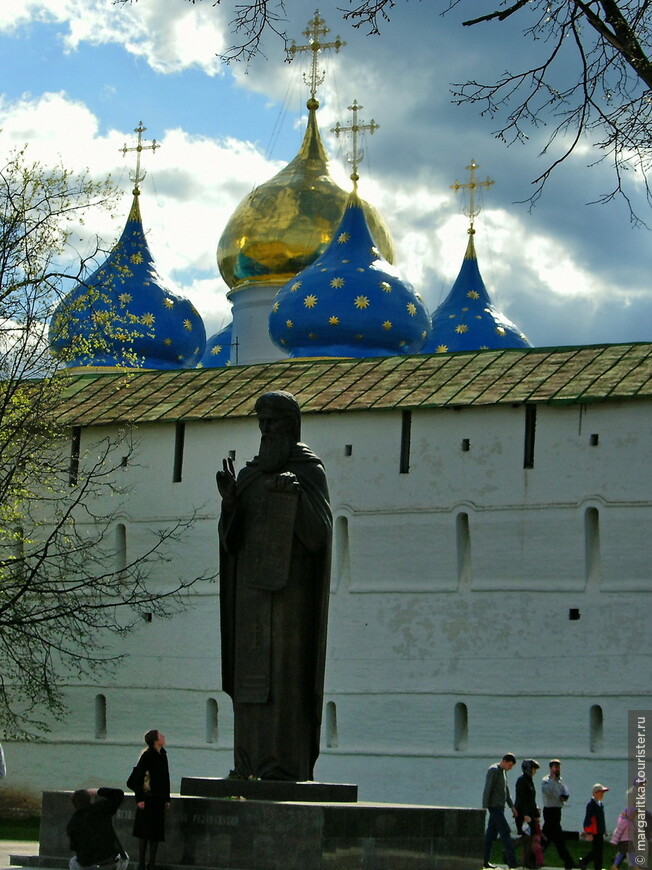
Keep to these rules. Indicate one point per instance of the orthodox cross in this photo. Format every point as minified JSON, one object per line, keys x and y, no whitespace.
{"x":355,"y":127}
{"x":139,"y":176}
{"x":472,"y":185}
{"x":314,"y":32}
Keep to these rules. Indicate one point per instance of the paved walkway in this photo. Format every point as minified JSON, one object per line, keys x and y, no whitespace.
{"x":16,"y":847}
{"x":30,"y":847}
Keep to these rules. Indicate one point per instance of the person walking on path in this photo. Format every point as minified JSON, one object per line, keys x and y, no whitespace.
{"x":594,"y":827}
{"x":555,"y":794}
{"x":527,"y":818}
{"x":150,"y":781}
{"x":495,"y":796}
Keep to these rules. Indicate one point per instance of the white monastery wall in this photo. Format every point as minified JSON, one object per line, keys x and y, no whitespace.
{"x":450,"y":637}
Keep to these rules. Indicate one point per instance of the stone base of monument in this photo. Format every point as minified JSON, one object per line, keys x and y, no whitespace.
{"x":237,"y":834}
{"x":268,"y":789}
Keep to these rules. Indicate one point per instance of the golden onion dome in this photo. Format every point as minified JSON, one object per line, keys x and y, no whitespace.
{"x":284,"y":224}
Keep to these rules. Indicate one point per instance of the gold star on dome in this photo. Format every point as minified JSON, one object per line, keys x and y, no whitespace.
{"x":385,"y":287}
{"x":501,"y":331}
{"x":295,"y":286}
{"x":346,"y":261}
{"x":310,"y":301}
{"x":442,"y":348}
{"x":387,"y":324}
{"x":461,"y":327}
{"x":216,"y":350}
{"x":187,"y":325}
{"x":275,"y":307}
{"x":168,"y":303}
{"x":402,"y":343}
{"x":484,"y":347}
{"x":147,"y":319}
{"x":167,"y":341}
{"x":289,"y":324}
{"x":473,"y":294}
{"x":359,"y":269}
{"x":337,"y":282}
{"x":312,"y":335}
{"x":136,"y":258}
{"x":452,"y":315}
{"x":465,"y":309}
{"x":343,"y":237}
{"x":333,"y":320}
{"x":124,"y":298}
{"x":361,"y":302}
{"x":423,"y":333}
{"x":359,"y":336}
{"x":324,"y":269}
{"x":411,"y":309}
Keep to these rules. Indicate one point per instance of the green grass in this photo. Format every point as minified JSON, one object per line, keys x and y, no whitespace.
{"x":25,"y":828}
{"x":577,"y":848}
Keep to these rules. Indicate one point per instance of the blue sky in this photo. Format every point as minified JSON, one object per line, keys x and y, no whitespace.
{"x":80,"y":74}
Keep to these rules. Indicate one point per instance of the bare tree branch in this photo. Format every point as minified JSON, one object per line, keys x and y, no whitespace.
{"x":62,"y":594}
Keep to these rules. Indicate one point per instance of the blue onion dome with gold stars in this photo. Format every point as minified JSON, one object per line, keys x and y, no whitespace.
{"x":284,"y":224}
{"x":218,"y":349}
{"x":122,"y":315}
{"x":350,"y":302}
{"x":467,"y":319}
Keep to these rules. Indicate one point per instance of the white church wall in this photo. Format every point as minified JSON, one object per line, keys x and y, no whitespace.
{"x":453,"y":583}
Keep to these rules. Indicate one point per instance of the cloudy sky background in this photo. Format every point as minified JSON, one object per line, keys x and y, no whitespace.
{"x":80,"y":74}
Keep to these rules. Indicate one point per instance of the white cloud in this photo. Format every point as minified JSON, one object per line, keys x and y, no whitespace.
{"x":192,"y":186}
{"x":170,"y":36}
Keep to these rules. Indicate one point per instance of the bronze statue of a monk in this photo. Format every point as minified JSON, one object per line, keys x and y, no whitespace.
{"x":275,"y":540}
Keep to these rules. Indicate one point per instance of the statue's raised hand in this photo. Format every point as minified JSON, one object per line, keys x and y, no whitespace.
{"x":226,"y":480}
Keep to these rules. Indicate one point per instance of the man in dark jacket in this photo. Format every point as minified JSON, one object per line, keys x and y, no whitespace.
{"x":594,"y":827}
{"x":494,"y":797}
{"x":90,"y":828}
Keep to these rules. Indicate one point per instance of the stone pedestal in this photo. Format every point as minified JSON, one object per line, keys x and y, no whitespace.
{"x":269,"y":790}
{"x":216,"y":834}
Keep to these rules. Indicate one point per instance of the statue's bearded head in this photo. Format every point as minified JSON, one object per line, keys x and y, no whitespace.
{"x":279,"y":420}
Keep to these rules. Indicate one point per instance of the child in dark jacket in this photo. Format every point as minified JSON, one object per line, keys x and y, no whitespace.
{"x":594,"y":827}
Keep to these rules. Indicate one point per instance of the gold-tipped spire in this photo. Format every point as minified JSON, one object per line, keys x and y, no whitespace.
{"x":356,"y":154}
{"x":472,"y":185}
{"x":139,"y":176}
{"x":314,"y":33}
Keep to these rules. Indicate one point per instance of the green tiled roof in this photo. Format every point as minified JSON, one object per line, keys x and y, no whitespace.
{"x":491,"y":377}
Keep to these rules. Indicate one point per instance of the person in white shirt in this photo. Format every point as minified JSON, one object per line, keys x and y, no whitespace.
{"x":555,"y":794}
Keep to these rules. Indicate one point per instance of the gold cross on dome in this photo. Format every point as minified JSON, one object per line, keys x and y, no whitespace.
{"x":139,"y":176}
{"x":354,"y":128}
{"x":314,"y":32}
{"x":472,"y":185}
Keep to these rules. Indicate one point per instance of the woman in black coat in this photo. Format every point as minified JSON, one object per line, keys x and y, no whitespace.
{"x":525,"y":803}
{"x":150,"y":781}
